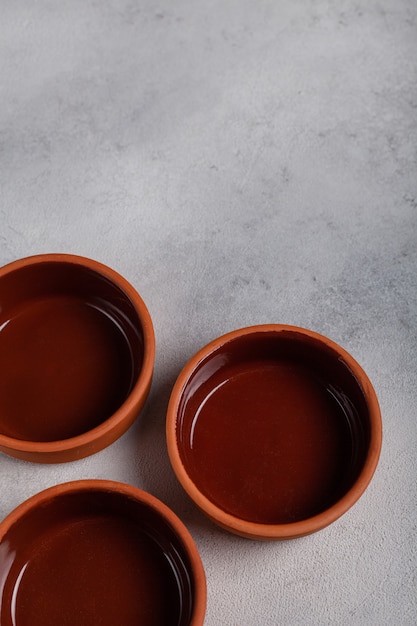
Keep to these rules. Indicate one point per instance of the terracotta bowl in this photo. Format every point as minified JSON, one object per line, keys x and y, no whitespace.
{"x":274,"y":431}
{"x":77,"y":351}
{"x":98,"y":552}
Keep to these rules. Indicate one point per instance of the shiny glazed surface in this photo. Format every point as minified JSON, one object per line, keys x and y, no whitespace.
{"x":94,"y":558}
{"x":70,"y":351}
{"x":272,"y":430}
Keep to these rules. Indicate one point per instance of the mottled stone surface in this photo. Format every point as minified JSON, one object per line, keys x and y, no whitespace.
{"x":239,"y":162}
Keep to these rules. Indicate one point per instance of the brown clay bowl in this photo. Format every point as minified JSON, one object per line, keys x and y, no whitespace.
{"x":77,"y":351}
{"x":274,"y":431}
{"x":98,"y":552}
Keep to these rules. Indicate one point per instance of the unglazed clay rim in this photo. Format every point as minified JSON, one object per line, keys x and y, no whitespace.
{"x":303,"y":527}
{"x":130,"y":492}
{"x":102,"y":435}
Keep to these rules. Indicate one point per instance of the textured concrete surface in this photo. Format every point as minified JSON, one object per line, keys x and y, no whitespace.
{"x":239,"y":162}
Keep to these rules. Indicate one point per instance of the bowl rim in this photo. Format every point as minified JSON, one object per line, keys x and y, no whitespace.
{"x":79,"y":444}
{"x":130,"y":492}
{"x":256,"y":530}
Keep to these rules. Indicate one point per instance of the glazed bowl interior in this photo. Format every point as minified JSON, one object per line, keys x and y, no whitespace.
{"x":74,"y":336}
{"x":273,"y":431}
{"x":98,"y":554}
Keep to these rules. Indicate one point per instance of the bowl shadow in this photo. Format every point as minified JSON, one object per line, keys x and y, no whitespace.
{"x":153,"y":468}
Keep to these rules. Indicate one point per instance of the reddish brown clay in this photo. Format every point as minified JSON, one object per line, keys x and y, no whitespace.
{"x":98,"y":552}
{"x":274,"y":431}
{"x":77,"y":351}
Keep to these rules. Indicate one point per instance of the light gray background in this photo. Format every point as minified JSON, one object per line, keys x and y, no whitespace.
{"x":239,"y":162}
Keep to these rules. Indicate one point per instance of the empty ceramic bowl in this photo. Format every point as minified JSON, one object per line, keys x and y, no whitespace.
{"x":98,"y":552}
{"x":77,"y":352}
{"x":274,"y":431}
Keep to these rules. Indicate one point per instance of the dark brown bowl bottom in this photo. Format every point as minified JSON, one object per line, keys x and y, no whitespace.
{"x":93,"y":558}
{"x":70,"y":351}
{"x":273,"y":427}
